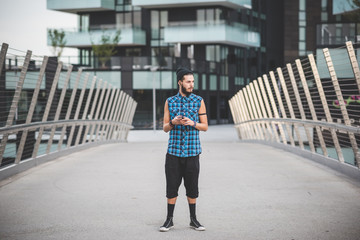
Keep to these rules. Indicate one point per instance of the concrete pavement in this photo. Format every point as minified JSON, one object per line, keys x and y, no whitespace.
{"x":117,"y":191}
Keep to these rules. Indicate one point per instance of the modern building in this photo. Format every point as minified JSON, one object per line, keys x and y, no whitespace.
{"x":310,"y":26}
{"x":222,"y":41}
{"x":227,"y":43}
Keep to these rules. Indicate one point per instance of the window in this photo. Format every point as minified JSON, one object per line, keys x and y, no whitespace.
{"x":83,"y":22}
{"x":200,"y":16}
{"x":224,"y":83}
{"x":302,"y":5}
{"x":203,"y":79}
{"x":213,"y":53}
{"x":123,"y":20}
{"x":137,"y":19}
{"x":209,"y":16}
{"x":324,"y":16}
{"x":302,"y":27}
{"x":213,"y":82}
{"x":159,"y":20}
{"x":324,"y":5}
{"x":155,"y":24}
{"x":302,"y":34}
{"x":239,"y":81}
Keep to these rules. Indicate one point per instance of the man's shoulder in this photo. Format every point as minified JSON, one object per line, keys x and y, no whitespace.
{"x":196,"y":97}
{"x":171,"y":99}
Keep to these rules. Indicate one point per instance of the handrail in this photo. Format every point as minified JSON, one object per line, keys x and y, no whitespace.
{"x":311,"y":105}
{"x":337,"y":126}
{"x":53,"y":109}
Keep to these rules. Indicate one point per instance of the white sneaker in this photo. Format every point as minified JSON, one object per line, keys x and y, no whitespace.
{"x":194,"y":223}
{"x":168,"y":224}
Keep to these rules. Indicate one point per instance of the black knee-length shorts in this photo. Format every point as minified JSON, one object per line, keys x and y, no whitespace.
{"x":178,"y":168}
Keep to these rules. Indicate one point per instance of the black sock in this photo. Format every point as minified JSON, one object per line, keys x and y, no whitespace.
{"x":170,"y":209}
{"x":192,"y":208}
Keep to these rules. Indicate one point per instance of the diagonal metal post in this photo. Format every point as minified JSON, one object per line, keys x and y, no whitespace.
{"x":78,"y":107}
{"x":252,"y":116}
{"x":325,"y":106}
{"x":114,"y":92}
{"x":343,"y":109}
{"x":119,"y":112}
{"x":84,"y":116}
{"x":311,"y":106}
{"x":4,"y":48}
{"x":274,"y":107}
{"x":47,"y":108}
{"x":94,"y":103}
{"x":354,"y":63}
{"x":281,"y":106}
{"x":245,"y":110}
{"x":59,"y":107}
{"x":262,"y":108}
{"x":110,"y":114}
{"x":14,"y":103}
{"x":98,"y":107}
{"x":69,"y":109}
{"x":300,"y":105}
{"x":268,"y":108}
{"x":252,"y":99}
{"x":289,"y":104}
{"x":113,"y":116}
{"x":31,"y":109}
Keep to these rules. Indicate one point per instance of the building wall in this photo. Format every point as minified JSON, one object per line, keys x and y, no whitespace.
{"x":291,"y":30}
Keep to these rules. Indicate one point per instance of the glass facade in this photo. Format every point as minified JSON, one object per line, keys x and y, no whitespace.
{"x":221,"y":43}
{"x":336,"y":34}
{"x":302,"y":27}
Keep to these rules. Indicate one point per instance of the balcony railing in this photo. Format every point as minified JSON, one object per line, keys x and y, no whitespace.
{"x":116,"y":63}
{"x":235,"y":4}
{"x":84,"y":37}
{"x":71,"y":6}
{"x":336,"y":34}
{"x":211,"y":32}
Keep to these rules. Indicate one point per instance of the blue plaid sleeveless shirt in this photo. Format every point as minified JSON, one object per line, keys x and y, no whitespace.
{"x":184,"y":141}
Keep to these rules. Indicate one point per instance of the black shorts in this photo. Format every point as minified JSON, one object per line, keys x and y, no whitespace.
{"x":177,"y":168}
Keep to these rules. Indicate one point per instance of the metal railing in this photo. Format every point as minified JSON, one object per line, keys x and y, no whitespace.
{"x":50,"y":111}
{"x":310,"y":106}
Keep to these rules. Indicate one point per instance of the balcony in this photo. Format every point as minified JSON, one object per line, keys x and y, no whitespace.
{"x":71,"y":6}
{"x":336,"y":34}
{"x":341,"y":7}
{"x":129,"y":36}
{"x":235,"y":4}
{"x":211,"y":33}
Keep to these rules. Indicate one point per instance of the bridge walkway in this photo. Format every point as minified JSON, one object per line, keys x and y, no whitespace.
{"x":117,"y":191}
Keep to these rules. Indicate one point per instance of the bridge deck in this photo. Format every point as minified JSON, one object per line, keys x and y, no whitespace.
{"x":117,"y":191}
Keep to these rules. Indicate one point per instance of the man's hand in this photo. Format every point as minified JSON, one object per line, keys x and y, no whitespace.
{"x":187,"y":122}
{"x":177,"y":120}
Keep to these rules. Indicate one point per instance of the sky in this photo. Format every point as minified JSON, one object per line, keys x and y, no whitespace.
{"x":24,"y":23}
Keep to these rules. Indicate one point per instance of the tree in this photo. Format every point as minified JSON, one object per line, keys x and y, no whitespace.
{"x":58,"y":41}
{"x":106,"y":48}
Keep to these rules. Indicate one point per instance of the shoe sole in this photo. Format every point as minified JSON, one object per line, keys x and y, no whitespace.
{"x":165,"y":229}
{"x":198,"y":229}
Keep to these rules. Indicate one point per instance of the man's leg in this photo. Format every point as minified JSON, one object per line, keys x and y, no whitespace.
{"x":171,"y":205}
{"x":192,"y":190}
{"x":173,"y":181}
{"x":192,"y":206}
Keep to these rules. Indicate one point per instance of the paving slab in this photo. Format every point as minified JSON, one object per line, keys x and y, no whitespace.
{"x":117,"y":191}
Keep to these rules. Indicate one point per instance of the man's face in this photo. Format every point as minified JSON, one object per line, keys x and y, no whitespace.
{"x":187,"y":84}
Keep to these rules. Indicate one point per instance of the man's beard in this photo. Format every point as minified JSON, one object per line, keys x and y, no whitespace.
{"x":184,"y":91}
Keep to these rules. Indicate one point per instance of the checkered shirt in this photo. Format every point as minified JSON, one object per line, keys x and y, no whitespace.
{"x":184,"y":141}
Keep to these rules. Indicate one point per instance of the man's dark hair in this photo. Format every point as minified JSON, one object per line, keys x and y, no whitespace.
{"x":181,"y":72}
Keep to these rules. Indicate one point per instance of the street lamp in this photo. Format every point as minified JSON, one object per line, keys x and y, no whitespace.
{"x":153,"y":69}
